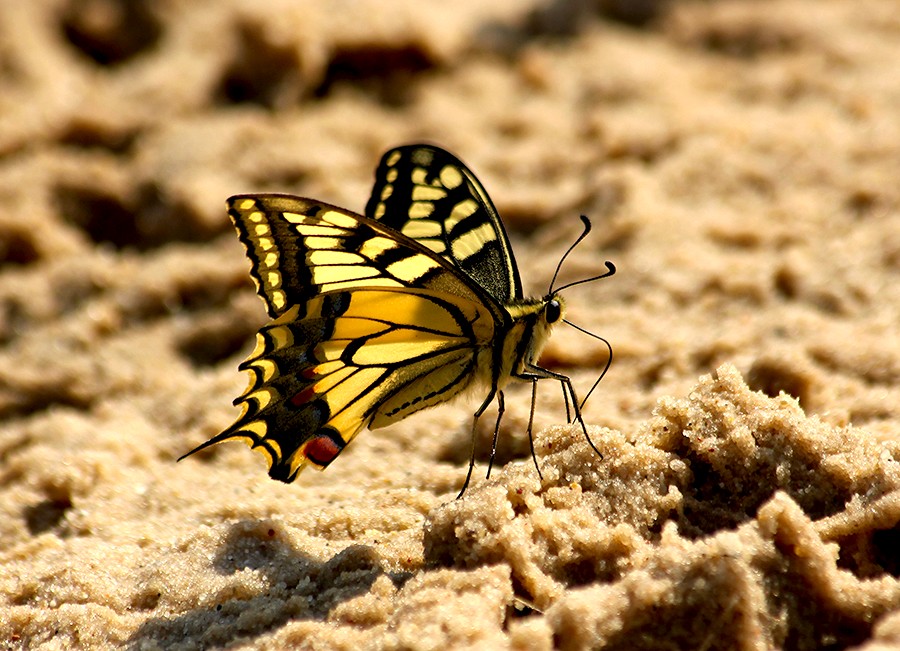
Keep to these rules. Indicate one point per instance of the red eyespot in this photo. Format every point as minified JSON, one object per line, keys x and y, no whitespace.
{"x":302,"y":397}
{"x":322,"y":450}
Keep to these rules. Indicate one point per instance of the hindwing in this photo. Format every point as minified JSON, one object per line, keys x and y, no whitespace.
{"x":429,"y":195}
{"x":345,"y":360}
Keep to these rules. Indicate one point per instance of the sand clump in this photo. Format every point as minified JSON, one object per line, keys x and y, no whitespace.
{"x":739,"y":161}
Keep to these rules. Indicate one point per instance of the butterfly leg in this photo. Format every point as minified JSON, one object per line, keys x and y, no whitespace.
{"x":475,"y":418}
{"x":534,"y":382}
{"x":535,"y":373}
{"x":577,"y":408}
{"x":500,"y":409}
{"x":566,"y":400}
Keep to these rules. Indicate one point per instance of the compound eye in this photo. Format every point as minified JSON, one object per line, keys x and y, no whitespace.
{"x":553,"y":311}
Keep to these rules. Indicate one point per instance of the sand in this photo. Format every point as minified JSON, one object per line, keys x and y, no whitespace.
{"x":739,"y":161}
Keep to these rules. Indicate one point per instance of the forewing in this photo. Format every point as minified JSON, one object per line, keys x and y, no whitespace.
{"x":343,"y":360}
{"x":300,"y":248}
{"x":429,"y":195}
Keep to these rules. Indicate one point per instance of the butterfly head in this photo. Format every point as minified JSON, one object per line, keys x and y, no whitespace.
{"x":533,"y":320}
{"x":553,"y":310}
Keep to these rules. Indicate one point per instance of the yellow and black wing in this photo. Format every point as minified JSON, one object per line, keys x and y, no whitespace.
{"x":369,"y":327}
{"x":300,"y":248}
{"x":429,"y":195}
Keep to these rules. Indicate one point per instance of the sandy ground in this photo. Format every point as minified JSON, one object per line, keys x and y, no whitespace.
{"x":740,"y":162}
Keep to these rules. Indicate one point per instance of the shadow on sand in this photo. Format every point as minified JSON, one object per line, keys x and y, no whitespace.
{"x":298,"y":587}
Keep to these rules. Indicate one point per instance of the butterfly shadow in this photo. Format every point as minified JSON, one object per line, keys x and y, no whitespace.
{"x":290,"y":586}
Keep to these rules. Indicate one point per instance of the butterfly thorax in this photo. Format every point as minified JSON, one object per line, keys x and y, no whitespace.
{"x":532,"y":321}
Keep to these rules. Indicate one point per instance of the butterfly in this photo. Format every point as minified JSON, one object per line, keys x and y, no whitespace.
{"x":377,"y":317}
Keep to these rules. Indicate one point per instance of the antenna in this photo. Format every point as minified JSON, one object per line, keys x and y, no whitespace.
{"x":610,"y":270}
{"x":610,"y":267}
{"x":587,"y":229}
